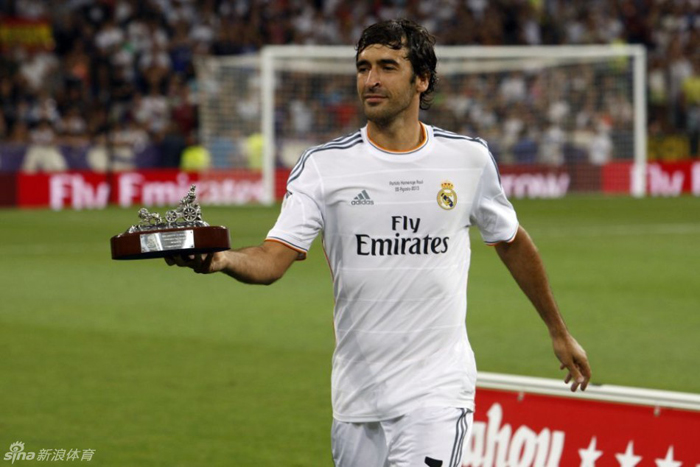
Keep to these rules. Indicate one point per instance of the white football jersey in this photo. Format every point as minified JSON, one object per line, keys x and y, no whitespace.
{"x":395,"y":231}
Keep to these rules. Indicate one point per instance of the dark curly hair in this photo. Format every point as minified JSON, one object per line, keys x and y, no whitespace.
{"x":420,"y":43}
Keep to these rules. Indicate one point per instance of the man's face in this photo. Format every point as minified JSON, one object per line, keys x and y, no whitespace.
{"x":386,"y":83}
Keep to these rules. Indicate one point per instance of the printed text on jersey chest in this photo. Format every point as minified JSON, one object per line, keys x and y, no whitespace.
{"x":406,"y":186}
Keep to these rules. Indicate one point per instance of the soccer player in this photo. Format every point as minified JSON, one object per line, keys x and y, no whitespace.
{"x":394,"y":202}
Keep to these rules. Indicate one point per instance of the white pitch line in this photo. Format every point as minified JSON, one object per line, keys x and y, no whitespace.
{"x":55,"y":249}
{"x":620,"y":230}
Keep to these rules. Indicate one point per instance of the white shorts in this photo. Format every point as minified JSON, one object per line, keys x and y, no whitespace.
{"x":431,"y":437}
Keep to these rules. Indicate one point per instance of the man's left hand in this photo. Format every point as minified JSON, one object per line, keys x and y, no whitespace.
{"x":573,"y":358}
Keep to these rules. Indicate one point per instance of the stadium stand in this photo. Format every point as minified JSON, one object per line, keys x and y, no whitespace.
{"x":122,"y":70}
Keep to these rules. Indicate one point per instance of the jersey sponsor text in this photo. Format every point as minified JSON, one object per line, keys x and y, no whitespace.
{"x":399,"y":244}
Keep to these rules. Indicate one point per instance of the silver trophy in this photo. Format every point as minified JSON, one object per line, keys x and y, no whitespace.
{"x":182,"y":232}
{"x":189,"y":212}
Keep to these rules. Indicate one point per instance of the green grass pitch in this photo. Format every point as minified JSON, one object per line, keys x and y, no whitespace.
{"x":157,"y":366}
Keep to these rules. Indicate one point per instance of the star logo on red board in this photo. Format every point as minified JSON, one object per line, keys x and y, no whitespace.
{"x":590,"y":454}
{"x":628,"y":459}
{"x":668,"y":461}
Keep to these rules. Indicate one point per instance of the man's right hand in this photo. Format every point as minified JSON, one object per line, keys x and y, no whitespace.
{"x":262,"y":264}
{"x":201,"y":264}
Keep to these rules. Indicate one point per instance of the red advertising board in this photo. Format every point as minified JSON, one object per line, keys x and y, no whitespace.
{"x":673,"y":178}
{"x":663,"y":178}
{"x":91,"y":190}
{"x":8,"y":190}
{"x":165,"y":187}
{"x":517,"y":428}
{"x":84,"y":190}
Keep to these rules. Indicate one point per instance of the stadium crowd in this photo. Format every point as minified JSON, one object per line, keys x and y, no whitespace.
{"x":121,"y":71}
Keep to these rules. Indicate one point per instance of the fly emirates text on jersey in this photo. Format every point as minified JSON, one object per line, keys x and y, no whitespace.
{"x":404,"y":242}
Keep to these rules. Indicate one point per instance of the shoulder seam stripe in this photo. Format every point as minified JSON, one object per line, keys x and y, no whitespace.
{"x":296,"y":173}
{"x":440,"y":133}
{"x":495,"y":164}
{"x":450,"y":135}
{"x":339,"y":139}
{"x":309,"y":151}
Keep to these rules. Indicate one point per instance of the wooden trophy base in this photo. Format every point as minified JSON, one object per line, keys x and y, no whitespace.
{"x":149,"y":244}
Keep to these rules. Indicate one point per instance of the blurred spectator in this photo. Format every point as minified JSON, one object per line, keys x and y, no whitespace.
{"x":181,"y":50}
{"x":73,"y":127}
{"x":183,"y":112}
{"x":43,"y":107}
{"x":658,"y":91}
{"x":513,"y":88}
{"x":42,"y":155}
{"x":601,"y":146}
{"x":38,"y":70}
{"x":195,"y":157}
{"x":691,"y":104}
{"x":301,"y":114}
{"x":76,"y":68}
{"x":171,"y":146}
{"x":31,"y":9}
{"x":525,"y":149}
{"x":128,"y":134}
{"x":155,"y":64}
{"x":19,"y":133}
{"x":108,"y":38}
{"x":552,"y":149}
{"x":152,"y":112}
{"x":43,"y":134}
{"x":4,"y":129}
{"x":126,"y":139}
{"x":203,"y":34}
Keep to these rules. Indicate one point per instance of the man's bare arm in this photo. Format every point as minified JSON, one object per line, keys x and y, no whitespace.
{"x":525,"y":265}
{"x":262,"y":264}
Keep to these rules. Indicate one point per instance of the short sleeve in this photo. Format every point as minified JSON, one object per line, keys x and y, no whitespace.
{"x":301,"y":217}
{"x":491,"y":212}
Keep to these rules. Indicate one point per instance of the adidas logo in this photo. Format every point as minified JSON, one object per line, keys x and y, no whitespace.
{"x":362,"y":198}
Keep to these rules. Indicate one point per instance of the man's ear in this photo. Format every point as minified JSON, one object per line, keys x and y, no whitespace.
{"x":422,"y":83}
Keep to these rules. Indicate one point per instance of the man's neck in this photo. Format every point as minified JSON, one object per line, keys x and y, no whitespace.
{"x":397,"y":136}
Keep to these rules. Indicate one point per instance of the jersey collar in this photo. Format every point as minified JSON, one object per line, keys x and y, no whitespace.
{"x":411,"y":154}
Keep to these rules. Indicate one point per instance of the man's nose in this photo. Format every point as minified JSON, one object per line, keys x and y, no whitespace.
{"x":372,"y":79}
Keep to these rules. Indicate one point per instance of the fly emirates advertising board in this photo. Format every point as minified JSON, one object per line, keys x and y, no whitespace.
{"x":152,"y":187}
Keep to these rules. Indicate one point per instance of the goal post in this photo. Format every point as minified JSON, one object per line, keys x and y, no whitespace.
{"x":624,"y":64}
{"x":557,"y":118}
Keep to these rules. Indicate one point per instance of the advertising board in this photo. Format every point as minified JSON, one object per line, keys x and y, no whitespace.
{"x":522,"y":421}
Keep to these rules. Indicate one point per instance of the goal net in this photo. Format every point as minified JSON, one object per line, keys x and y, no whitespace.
{"x":558,"y":120}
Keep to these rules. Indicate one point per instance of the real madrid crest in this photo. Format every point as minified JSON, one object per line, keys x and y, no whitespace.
{"x":447,"y":197}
